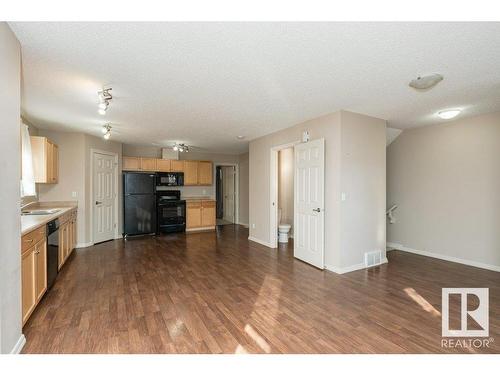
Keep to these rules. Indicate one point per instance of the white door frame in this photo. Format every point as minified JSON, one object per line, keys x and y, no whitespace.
{"x":273,"y":186}
{"x":115,"y":192}
{"x":236,"y":187}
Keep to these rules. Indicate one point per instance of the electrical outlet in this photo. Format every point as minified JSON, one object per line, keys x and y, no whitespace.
{"x":204,"y":192}
{"x":343,"y":197}
{"x":253,"y":226}
{"x":74,"y":194}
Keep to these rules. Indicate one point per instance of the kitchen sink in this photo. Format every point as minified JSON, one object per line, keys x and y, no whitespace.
{"x":40,"y":212}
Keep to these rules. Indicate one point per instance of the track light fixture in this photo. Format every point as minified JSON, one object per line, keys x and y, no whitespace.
{"x":106,"y":130}
{"x":181,"y":147}
{"x":104,"y":99}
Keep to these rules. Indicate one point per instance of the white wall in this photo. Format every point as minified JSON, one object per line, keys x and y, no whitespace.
{"x":445,"y":180}
{"x":10,"y":165}
{"x":354,"y":163}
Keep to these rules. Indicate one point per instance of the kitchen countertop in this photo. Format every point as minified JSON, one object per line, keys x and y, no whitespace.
{"x":32,"y":222}
{"x":198,"y":198}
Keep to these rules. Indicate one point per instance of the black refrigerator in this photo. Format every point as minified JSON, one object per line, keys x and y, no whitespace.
{"x":139,"y":201}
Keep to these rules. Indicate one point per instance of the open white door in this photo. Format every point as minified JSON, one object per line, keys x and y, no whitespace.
{"x":309,"y":218}
{"x":228,"y":191}
{"x":103,"y":199}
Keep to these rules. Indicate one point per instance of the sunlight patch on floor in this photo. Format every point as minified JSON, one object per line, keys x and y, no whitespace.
{"x":421,"y":301}
{"x":259,"y":340}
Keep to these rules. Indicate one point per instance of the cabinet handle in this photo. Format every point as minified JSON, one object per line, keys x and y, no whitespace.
{"x":29,"y":240}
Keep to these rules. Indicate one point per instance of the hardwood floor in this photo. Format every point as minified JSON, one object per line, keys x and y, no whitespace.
{"x":220,"y":293}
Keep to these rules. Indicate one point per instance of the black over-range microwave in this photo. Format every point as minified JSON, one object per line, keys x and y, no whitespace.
{"x":170,"y":179}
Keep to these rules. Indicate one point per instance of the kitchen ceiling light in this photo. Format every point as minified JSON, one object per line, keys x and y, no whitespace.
{"x":181,"y":147}
{"x":240,"y":136}
{"x":104,"y":99}
{"x":426,"y":82}
{"x":449,"y":114}
{"x":106,"y":130}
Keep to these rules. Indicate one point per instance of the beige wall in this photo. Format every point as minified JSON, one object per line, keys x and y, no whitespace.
{"x":71,"y":175}
{"x":241,"y":160}
{"x":327,"y":127}
{"x":74,"y":176}
{"x":445,"y":180}
{"x":285,"y":185}
{"x":354,"y":154}
{"x":363,"y":180}
{"x":10,"y":165}
{"x":243,"y":186}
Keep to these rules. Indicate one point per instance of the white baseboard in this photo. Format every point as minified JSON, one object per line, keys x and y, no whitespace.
{"x":354,"y":267}
{"x":250,"y":238}
{"x":19,"y":345}
{"x":398,"y":246}
{"x":83,"y":244}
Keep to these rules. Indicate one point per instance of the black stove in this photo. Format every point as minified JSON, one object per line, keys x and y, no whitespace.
{"x":171,"y":211}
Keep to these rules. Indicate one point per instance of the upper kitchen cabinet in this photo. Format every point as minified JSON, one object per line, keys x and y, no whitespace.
{"x":45,"y":160}
{"x":190,"y":172}
{"x":131,"y":163}
{"x":205,"y":173}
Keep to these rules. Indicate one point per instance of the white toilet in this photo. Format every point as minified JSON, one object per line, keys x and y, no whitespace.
{"x":283,"y":230}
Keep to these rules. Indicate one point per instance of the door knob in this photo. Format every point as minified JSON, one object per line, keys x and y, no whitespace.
{"x":317,"y":209}
{"x":97,"y":202}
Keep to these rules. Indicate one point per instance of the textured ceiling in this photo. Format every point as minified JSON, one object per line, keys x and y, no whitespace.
{"x":206,"y":83}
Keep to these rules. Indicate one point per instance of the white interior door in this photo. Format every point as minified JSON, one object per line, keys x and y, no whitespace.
{"x":229,"y":192}
{"x":103,"y":199}
{"x":309,"y":202}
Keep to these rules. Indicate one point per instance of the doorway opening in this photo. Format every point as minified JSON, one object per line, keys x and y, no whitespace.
{"x":282,"y":193}
{"x":226,"y":194}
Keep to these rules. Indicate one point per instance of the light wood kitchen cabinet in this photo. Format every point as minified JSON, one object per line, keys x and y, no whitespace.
{"x":148,"y":164}
{"x":196,"y":172}
{"x":200,"y":214}
{"x":190,"y":172}
{"x":41,"y":269}
{"x":45,"y":160}
{"x":130,"y":163}
{"x":163,"y":165}
{"x":177,"y":166}
{"x":33,"y":273}
{"x":193,"y":215}
{"x":208,"y":213}
{"x":28,"y":283}
{"x":67,"y":236}
{"x":204,"y":173}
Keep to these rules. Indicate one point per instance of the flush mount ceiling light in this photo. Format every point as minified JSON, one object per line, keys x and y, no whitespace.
{"x":181,"y":147}
{"x":449,"y":113}
{"x":104,"y":99}
{"x":426,"y":82}
{"x":106,"y":130}
{"x":240,"y":137}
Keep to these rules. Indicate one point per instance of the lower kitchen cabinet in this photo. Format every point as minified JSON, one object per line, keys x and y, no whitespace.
{"x":34,"y":260}
{"x":33,"y":277}
{"x":200,"y":215}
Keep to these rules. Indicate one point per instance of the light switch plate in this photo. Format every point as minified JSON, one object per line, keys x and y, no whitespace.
{"x":74,"y":194}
